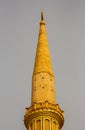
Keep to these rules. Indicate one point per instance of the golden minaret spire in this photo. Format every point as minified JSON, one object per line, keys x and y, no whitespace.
{"x":44,"y":113}
{"x":43,"y":86}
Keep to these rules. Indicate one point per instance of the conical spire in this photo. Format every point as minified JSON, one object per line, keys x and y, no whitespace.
{"x":42,"y":60}
{"x":43,"y":86}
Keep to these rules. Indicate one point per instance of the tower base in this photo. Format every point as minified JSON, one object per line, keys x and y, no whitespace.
{"x":44,"y":116}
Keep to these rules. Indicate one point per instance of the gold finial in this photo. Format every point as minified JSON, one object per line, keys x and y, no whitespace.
{"x":42,"y":16}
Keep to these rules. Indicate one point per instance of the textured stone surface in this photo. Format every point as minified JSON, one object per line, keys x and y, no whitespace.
{"x":43,"y":88}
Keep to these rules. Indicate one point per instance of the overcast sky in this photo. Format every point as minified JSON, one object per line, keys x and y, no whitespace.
{"x":19,"y":28}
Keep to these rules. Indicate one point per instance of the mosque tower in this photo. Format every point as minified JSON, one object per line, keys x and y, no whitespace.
{"x":44,"y":113}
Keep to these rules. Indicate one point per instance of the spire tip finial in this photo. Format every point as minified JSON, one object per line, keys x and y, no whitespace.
{"x":42,"y":16}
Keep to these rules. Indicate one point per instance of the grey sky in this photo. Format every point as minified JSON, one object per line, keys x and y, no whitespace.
{"x":19,"y":28}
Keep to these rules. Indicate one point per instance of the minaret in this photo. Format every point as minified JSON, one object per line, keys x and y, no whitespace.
{"x":44,"y":113}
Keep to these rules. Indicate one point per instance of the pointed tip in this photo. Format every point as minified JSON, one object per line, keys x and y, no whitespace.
{"x":42,"y":16}
{"x":42,"y":22}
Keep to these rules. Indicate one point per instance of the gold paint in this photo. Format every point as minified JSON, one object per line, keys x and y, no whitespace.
{"x":43,"y":113}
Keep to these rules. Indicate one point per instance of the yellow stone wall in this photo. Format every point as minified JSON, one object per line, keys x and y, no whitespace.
{"x":43,"y":88}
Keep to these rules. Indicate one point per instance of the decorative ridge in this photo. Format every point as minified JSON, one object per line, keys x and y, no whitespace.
{"x":45,"y":105}
{"x":45,"y":108}
{"x":44,"y":72}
